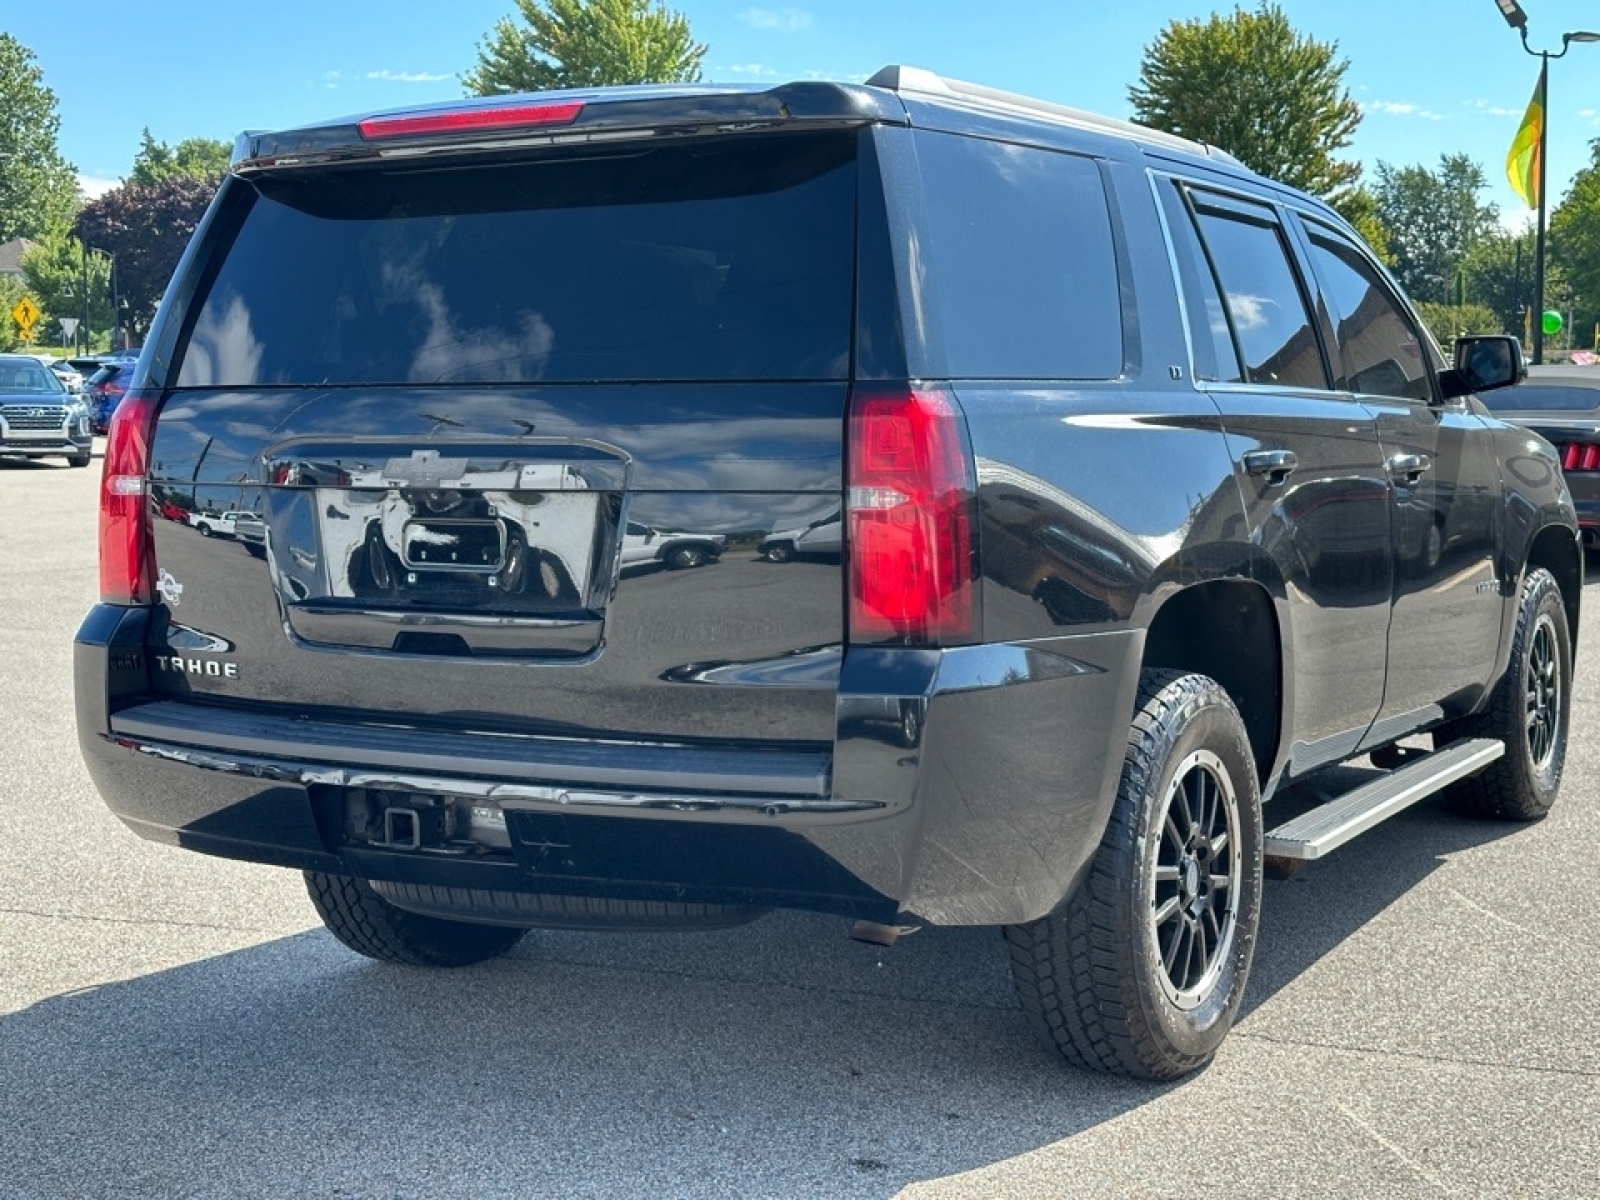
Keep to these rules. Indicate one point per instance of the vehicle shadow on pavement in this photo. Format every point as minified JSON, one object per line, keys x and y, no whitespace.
{"x":779,"y":1059}
{"x":1313,"y":913}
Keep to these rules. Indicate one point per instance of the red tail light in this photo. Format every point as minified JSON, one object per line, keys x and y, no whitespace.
{"x":127,"y":554}
{"x":910,"y":520}
{"x":1580,"y":456}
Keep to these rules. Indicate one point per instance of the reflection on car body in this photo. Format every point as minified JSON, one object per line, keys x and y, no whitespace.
{"x":643,"y":545}
{"x":820,"y":539}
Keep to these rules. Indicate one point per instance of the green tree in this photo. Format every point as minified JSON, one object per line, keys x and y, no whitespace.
{"x":1249,"y":84}
{"x":1435,"y":219}
{"x":1360,"y":207}
{"x":146,"y":228}
{"x":65,"y":280}
{"x":1575,"y":246}
{"x":1450,"y":321}
{"x":585,"y":43}
{"x":197,"y":157}
{"x":38,"y":188}
{"x":1498,"y":272}
{"x":12,"y":289}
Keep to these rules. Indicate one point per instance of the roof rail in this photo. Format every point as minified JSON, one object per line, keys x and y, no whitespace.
{"x":919,"y":80}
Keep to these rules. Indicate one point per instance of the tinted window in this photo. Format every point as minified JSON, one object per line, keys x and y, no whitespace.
{"x":1265,"y":307}
{"x":1380,"y":350}
{"x":1215,"y":356}
{"x":709,"y":260}
{"x":1023,"y":260}
{"x":28,"y":375}
{"x":1534,"y":397}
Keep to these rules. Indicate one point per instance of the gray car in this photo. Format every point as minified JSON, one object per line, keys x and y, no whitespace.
{"x":39,"y":417}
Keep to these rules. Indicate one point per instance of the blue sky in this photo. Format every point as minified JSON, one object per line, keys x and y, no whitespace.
{"x":1433,"y":76}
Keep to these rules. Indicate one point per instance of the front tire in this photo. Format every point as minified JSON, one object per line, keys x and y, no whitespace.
{"x":779,"y":552}
{"x":368,"y":924}
{"x":1142,"y":971}
{"x":78,"y":460}
{"x":1530,"y":712}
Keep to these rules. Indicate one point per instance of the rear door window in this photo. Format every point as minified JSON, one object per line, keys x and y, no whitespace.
{"x":731,"y":258}
{"x":1216,"y":358}
{"x":1264,"y":304}
{"x":1022,"y":251}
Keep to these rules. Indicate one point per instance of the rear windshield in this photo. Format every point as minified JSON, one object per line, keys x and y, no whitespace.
{"x":1542,"y":398}
{"x":719,"y":260}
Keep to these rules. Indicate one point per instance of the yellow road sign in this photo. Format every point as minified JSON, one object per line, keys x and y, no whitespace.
{"x":25,"y":313}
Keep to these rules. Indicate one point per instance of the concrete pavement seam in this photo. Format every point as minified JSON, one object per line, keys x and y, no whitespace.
{"x":59,"y":916}
{"x":1451,"y":1060}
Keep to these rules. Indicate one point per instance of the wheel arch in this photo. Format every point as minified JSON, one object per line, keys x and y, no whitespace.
{"x":1558,"y":551}
{"x":1228,"y":630}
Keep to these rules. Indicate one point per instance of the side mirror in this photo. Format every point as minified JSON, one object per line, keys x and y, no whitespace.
{"x":1483,"y":363}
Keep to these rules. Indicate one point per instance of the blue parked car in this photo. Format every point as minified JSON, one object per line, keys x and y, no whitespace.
{"x":105,"y":389}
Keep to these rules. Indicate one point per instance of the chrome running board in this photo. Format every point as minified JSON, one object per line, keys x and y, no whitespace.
{"x":1329,"y":826}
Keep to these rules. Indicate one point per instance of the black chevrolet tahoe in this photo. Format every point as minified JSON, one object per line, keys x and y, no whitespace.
{"x":1155,"y":500}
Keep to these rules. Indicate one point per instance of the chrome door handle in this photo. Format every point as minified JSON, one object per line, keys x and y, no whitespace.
{"x":1276,"y":465}
{"x":1409,"y":466}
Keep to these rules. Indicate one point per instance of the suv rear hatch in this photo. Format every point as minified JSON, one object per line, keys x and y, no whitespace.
{"x":449,"y":383}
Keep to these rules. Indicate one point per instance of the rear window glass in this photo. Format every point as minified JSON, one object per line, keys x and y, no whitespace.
{"x":1022,"y":252}
{"x":1527,"y":397}
{"x":731,"y":259}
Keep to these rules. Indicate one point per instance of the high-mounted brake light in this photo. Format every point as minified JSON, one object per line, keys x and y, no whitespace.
{"x":470,"y":120}
{"x":127,"y":550}
{"x":909,"y":508}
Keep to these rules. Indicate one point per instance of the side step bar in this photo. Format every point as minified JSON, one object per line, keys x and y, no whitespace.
{"x":1329,"y":826}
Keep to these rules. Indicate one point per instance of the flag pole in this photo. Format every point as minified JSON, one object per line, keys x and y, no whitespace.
{"x":1538,"y":253}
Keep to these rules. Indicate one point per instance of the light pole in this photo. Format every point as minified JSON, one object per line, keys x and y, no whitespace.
{"x":1518,"y":20}
{"x":111,"y":259}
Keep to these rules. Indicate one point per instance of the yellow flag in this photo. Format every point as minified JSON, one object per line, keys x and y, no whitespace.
{"x":1527,"y":148}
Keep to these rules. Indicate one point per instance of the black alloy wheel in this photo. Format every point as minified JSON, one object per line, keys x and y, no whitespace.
{"x":1142,"y":970}
{"x":1529,"y":710}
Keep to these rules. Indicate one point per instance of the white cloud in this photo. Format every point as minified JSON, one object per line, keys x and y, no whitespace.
{"x":1495,"y":110}
{"x":1249,"y":312}
{"x":408,"y":76}
{"x":780,"y":20}
{"x":94,"y":186}
{"x":330,"y":79}
{"x":752,"y":69}
{"x":1400,"y":108}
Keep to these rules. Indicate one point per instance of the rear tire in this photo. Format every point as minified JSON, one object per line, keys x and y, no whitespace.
{"x":1530,"y":712}
{"x":686,"y":558}
{"x":780,"y":553}
{"x":1142,"y":971}
{"x":370,"y":925}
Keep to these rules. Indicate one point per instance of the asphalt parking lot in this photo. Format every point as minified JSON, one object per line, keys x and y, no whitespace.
{"x":1423,"y":1018}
